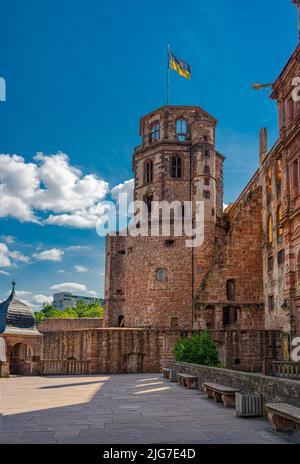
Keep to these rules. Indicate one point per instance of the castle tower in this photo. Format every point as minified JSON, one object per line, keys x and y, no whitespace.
{"x":151,"y":281}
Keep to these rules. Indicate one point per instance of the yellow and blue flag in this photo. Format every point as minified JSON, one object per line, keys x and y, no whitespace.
{"x":179,"y":66}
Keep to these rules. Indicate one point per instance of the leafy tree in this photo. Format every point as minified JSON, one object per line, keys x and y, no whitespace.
{"x":94,"y":310}
{"x":199,"y":349}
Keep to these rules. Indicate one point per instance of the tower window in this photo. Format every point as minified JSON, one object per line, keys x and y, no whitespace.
{"x":230,"y":316}
{"x":230,"y":289}
{"x":121,"y":321}
{"x":279,"y":226}
{"x":206,"y":181}
{"x":269,"y":180}
{"x":161,"y":275}
{"x":281,"y":257}
{"x":295,"y":175}
{"x":169,"y":243}
{"x":278,"y":171}
{"x":154,"y":135}
{"x":176,"y":167}
{"x":149,"y":172}
{"x":271,"y":304}
{"x":270,"y":263}
{"x":206,"y":194}
{"x":181,"y":129}
{"x":270,"y":229}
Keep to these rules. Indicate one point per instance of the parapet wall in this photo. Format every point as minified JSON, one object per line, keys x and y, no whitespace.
{"x":272,"y":389}
{"x":64,"y":325}
{"x":141,"y":350}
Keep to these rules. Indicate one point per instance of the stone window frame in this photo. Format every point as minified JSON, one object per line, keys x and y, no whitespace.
{"x":182,"y":132}
{"x":270,"y":229}
{"x":279,"y":215}
{"x":175,"y":167}
{"x":148,"y":171}
{"x":154,"y":132}
{"x":231,"y":289}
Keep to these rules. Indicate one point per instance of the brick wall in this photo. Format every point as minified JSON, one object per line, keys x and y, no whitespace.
{"x":139,"y":350}
{"x":63,"y":325}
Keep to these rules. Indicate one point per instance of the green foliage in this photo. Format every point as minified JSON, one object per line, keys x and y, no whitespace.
{"x":199,"y":349}
{"x":81,"y":310}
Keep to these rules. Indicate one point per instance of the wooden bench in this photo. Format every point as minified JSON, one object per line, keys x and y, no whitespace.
{"x":221,"y":393}
{"x":169,"y":374}
{"x":283,"y":416}
{"x":188,"y":381}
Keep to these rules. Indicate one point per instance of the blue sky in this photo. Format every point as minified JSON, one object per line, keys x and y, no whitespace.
{"x":80,"y":73}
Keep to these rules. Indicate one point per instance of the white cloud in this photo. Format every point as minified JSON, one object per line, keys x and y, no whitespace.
{"x":4,"y":273}
{"x":61,"y":271}
{"x":41,"y":299}
{"x":7,"y":257}
{"x":52,"y":186}
{"x":4,"y":256}
{"x":73,"y":287}
{"x":77,"y":248}
{"x":80,"y":269}
{"x":91,"y":293}
{"x":125,"y":187}
{"x":22,"y":293}
{"x":55,"y":254}
{"x":69,"y":287}
{"x":17,"y":256}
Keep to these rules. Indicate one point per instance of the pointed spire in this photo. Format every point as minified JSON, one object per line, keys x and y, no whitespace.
{"x":13,"y":287}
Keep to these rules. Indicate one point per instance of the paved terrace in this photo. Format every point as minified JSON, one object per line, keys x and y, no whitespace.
{"x":126,"y":409}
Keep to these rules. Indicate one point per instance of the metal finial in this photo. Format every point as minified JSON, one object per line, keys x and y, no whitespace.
{"x":13,"y":286}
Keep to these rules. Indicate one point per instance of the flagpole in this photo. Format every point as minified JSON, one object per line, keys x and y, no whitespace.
{"x":168,"y":76}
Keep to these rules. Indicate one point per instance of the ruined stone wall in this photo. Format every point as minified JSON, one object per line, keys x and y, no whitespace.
{"x":138,"y":350}
{"x":64,"y":325}
{"x":238,"y":259}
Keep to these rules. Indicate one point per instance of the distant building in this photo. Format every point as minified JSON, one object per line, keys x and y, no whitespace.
{"x":65,"y":300}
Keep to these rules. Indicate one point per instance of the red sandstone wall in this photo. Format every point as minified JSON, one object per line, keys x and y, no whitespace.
{"x":63,"y":325}
{"x":137,"y":350}
{"x":239,"y":259}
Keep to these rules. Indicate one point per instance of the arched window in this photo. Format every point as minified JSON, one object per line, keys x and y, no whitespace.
{"x":269,"y":180}
{"x":181,"y":129}
{"x":176,"y":167}
{"x":161,"y":275}
{"x":230,"y":288}
{"x":230,"y":316}
{"x":278,"y":170}
{"x":279,"y":225}
{"x":154,"y":132}
{"x":270,"y":229}
{"x":149,"y":172}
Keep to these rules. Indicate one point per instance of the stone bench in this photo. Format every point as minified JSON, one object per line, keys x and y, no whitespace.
{"x":169,"y":374}
{"x":221,"y":393}
{"x":283,"y":417}
{"x":188,"y":381}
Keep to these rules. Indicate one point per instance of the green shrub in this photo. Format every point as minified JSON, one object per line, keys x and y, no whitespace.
{"x":199,"y":349}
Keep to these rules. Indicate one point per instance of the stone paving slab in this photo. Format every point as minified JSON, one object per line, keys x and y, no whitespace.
{"x":125,"y":409}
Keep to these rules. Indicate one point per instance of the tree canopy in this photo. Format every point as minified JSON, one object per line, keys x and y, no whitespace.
{"x":94,"y":310}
